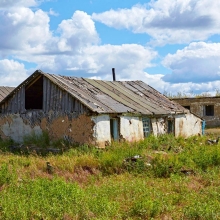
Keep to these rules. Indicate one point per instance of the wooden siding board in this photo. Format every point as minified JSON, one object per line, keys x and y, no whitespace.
{"x":84,"y":97}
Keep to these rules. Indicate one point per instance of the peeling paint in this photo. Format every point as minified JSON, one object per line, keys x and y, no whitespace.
{"x":14,"y":127}
{"x":197,"y":105}
{"x":78,"y":130}
{"x":131,"y":128}
{"x":101,"y":130}
{"x":187,"y":125}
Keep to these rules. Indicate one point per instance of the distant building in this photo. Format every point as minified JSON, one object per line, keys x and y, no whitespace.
{"x":206,"y":107}
{"x":91,"y":111}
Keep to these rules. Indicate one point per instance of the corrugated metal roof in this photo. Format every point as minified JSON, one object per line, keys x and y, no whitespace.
{"x":113,"y":96}
{"x":4,"y":91}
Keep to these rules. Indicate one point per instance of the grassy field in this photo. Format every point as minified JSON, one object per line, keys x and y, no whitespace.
{"x":158,"y":178}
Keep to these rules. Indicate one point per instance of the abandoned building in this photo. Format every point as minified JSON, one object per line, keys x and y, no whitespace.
{"x":206,"y":107}
{"x":91,"y":111}
{"x":4,"y":91}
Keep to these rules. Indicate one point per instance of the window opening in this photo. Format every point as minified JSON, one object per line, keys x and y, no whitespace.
{"x":209,"y":110}
{"x":170,"y":127}
{"x":187,"y":107}
{"x":146,"y":127}
{"x":114,"y":129}
{"x":34,"y":94}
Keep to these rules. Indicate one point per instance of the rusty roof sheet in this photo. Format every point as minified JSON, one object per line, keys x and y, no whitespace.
{"x":113,"y":96}
{"x":4,"y":91}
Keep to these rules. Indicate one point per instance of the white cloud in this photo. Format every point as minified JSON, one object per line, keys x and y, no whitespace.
{"x":198,"y":62}
{"x":128,"y":59}
{"x":166,"y":21}
{"x":23,"y":31}
{"x":77,"y":32}
{"x":12,"y":72}
{"x":17,"y":3}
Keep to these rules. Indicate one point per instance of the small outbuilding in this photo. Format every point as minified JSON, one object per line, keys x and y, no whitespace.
{"x":94,"y":112}
{"x":206,"y":107}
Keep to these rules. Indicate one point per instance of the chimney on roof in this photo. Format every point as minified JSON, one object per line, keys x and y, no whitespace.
{"x":113,"y":74}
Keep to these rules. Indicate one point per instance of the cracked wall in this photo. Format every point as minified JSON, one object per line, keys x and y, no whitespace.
{"x":187,"y":125}
{"x":76,"y":129}
{"x":131,"y":128}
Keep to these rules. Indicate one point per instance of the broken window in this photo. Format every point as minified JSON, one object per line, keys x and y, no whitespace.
{"x":146,"y":127}
{"x":209,"y":110}
{"x":187,"y":107}
{"x":114,"y":128}
{"x":34,"y":94}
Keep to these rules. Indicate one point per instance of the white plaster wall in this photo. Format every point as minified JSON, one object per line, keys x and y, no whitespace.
{"x":17,"y":129}
{"x":101,"y":129}
{"x":187,"y":125}
{"x":131,"y":128}
{"x":158,"y":126}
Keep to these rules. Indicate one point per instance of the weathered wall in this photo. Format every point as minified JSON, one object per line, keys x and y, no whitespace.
{"x":187,"y":125}
{"x":13,"y":126}
{"x":78,"y":129}
{"x":131,"y":128}
{"x":197,"y":106}
{"x":159,"y":126}
{"x":101,"y":130}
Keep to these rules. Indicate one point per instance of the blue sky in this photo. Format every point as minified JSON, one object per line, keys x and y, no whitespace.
{"x":172,"y":45}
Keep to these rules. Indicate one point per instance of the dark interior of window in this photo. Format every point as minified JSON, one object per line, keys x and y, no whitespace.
{"x":209,"y":110}
{"x":170,"y":127}
{"x":187,"y":107}
{"x":34,"y":94}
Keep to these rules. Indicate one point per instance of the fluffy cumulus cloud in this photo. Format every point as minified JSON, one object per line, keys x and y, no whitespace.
{"x":12,"y":72}
{"x":199,"y":62}
{"x":23,"y":30}
{"x":17,"y":3}
{"x":166,"y":21}
{"x":75,"y":47}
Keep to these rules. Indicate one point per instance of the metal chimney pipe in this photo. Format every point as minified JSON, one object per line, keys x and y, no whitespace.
{"x":113,"y":74}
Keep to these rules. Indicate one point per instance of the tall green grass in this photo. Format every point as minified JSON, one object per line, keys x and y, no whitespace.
{"x":174,"y":178}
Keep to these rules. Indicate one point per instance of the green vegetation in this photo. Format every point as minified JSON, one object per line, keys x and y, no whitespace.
{"x":170,"y":178}
{"x":191,"y":94}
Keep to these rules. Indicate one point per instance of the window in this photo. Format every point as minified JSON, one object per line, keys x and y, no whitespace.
{"x":114,"y":129}
{"x":170,"y":126}
{"x":187,"y":107}
{"x":146,"y":127}
{"x":34,"y":94}
{"x":209,"y":110}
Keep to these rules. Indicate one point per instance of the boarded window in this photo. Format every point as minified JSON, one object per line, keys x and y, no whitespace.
{"x":34,"y":94}
{"x":114,"y":128}
{"x":209,"y":110}
{"x":146,"y":127}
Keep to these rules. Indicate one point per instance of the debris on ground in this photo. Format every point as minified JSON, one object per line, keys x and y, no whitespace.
{"x":211,"y":142}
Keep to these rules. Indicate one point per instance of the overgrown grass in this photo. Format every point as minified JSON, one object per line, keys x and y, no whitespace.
{"x":172,"y":178}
